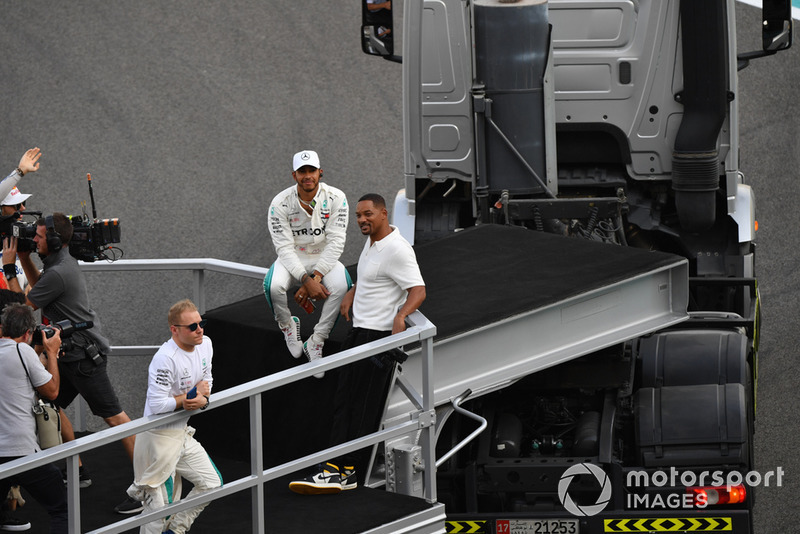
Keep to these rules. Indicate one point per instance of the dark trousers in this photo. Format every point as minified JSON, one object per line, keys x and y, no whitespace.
{"x":360,"y":397}
{"x":46,"y":485}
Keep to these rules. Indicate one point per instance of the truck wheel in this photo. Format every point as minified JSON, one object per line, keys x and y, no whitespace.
{"x":750,"y":402}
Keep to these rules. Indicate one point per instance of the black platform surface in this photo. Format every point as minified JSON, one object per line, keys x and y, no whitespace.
{"x":486,"y":273}
{"x":345,"y":513}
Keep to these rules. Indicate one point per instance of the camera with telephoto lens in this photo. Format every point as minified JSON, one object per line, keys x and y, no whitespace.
{"x":66,"y":327}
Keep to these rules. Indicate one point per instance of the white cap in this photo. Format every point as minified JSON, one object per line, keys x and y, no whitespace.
{"x":14,"y":197}
{"x":305,"y":157}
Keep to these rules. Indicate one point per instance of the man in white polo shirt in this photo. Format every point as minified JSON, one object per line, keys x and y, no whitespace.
{"x":389,"y":288}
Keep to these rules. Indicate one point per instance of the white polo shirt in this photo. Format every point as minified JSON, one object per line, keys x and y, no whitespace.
{"x":387,"y":269}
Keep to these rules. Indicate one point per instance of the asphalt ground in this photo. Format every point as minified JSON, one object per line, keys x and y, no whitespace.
{"x":187,"y":113}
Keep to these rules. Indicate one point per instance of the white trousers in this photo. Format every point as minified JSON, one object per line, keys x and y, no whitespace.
{"x":193,"y":464}
{"x":278,"y":281}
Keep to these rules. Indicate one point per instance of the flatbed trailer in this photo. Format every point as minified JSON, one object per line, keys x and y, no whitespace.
{"x":503,"y":308}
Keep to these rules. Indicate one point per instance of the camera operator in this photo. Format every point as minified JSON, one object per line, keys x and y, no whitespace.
{"x":17,"y":424}
{"x":28,"y":163}
{"x":60,"y":291}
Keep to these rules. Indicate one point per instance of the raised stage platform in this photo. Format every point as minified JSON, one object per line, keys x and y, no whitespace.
{"x":506,"y":302}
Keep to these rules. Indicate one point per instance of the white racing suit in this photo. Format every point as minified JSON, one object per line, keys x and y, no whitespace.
{"x":164,"y":455}
{"x":305,"y":243}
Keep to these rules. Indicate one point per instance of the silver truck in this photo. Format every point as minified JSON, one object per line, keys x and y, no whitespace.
{"x":614,"y":122}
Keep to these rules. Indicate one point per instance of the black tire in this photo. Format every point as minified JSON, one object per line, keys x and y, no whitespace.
{"x":751,"y":465}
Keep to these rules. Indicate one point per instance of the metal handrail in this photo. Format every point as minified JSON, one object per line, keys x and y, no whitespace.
{"x":198,"y":266}
{"x":177,"y":264}
{"x":421,"y":420}
{"x":456,"y":402}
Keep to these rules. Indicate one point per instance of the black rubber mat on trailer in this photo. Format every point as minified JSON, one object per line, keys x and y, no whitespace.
{"x":491,"y":272}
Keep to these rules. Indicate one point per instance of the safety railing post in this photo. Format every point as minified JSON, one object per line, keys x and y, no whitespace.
{"x":428,"y":437}
{"x":73,"y":495}
{"x":257,"y":464}
{"x":199,"y":276}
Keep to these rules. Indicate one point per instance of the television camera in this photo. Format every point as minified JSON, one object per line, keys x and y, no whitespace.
{"x":13,"y":226}
{"x":91,"y":237}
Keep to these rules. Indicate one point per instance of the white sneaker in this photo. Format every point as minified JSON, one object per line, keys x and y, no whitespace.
{"x":291,"y":333}
{"x":325,"y":479}
{"x":313,"y":351}
{"x":12,"y":524}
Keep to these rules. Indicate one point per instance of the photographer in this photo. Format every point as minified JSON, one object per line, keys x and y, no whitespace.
{"x":17,"y":424}
{"x":60,"y":291}
{"x":28,"y":163}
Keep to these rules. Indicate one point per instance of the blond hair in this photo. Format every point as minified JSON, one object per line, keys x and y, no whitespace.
{"x":177,"y":310}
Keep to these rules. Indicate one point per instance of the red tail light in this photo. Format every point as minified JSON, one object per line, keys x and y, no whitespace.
{"x":714,"y":495}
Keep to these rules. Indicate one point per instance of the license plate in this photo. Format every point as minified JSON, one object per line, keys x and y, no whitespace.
{"x":536,"y":526}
